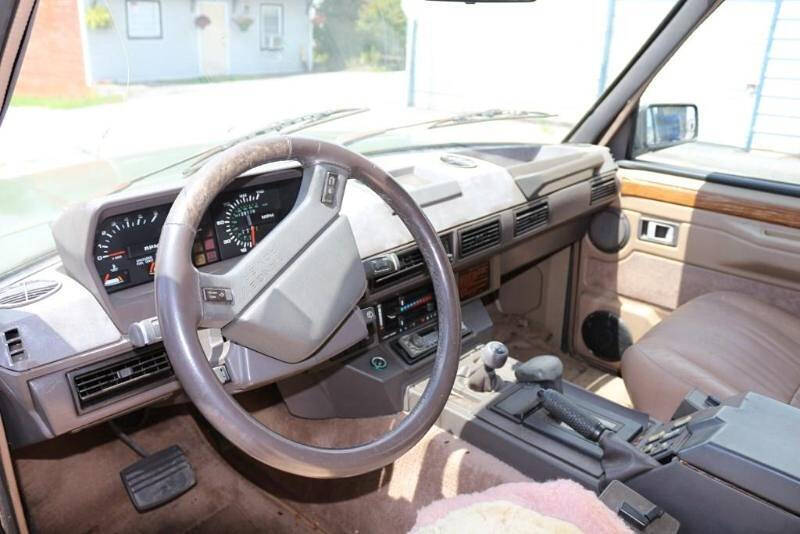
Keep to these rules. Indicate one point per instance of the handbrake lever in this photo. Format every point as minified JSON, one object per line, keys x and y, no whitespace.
{"x":566,"y":411}
{"x":621,"y":460}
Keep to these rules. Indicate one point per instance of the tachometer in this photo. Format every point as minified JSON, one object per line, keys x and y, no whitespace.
{"x":245,"y":218}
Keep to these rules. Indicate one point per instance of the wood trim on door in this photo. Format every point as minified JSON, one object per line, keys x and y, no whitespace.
{"x":720,"y":203}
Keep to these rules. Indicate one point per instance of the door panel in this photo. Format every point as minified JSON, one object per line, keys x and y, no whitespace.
{"x":727,"y":240}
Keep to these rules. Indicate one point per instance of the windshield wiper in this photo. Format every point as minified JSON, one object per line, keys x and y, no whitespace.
{"x":455,"y":120}
{"x":291,"y":125}
{"x":489,"y":115}
{"x":294,"y":124}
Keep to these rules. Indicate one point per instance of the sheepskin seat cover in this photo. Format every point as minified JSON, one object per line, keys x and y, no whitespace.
{"x":559,"y":506}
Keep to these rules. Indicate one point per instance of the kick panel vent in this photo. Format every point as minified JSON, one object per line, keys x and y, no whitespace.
{"x":27,"y":292}
{"x":479,"y":238}
{"x":530,"y":218}
{"x":14,"y":347}
{"x":102,"y":383}
{"x":603,"y":188}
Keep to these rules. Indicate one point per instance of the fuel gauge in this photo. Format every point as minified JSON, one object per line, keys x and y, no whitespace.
{"x":115,"y":277}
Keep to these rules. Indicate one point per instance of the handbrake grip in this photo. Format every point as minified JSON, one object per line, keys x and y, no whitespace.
{"x":566,"y":411}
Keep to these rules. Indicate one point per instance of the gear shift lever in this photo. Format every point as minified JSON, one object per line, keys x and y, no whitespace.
{"x":545,"y":371}
{"x":484,"y":379}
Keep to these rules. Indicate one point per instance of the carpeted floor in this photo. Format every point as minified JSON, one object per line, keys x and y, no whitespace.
{"x":526,"y":339}
{"x":72,"y":484}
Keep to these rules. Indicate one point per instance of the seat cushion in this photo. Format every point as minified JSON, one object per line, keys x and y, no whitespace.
{"x":720,"y":343}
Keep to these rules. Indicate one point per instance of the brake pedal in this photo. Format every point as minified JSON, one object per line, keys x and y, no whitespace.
{"x":158,"y":478}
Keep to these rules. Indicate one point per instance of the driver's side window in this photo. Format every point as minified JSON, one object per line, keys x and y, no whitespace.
{"x":745,"y":87}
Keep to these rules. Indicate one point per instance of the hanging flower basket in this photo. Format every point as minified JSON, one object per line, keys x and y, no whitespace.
{"x":201,"y":21}
{"x":98,"y":17}
{"x":243,"y":22}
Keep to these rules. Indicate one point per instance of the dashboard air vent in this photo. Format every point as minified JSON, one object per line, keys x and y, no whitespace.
{"x":530,"y":218}
{"x":109,"y":380}
{"x":410,"y":262}
{"x":479,"y":238}
{"x":14,"y":347}
{"x":603,"y":188}
{"x":27,"y":292}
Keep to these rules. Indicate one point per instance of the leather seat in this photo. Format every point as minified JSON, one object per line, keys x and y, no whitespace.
{"x":720,"y":343}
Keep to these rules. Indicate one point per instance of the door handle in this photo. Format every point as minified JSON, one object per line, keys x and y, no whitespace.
{"x":661,"y":232}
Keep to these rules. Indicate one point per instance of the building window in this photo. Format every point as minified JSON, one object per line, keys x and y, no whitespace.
{"x":143,"y":19}
{"x":271,"y":26}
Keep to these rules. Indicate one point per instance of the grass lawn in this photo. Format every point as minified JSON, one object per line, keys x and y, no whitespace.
{"x":64,"y":103}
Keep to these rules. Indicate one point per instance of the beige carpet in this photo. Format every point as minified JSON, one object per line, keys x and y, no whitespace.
{"x":72,"y":484}
{"x":526,"y":339}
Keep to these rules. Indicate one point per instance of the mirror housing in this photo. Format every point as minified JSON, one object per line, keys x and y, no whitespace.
{"x":660,"y":126}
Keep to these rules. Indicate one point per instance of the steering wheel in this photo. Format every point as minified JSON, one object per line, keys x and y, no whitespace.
{"x":290,"y":294}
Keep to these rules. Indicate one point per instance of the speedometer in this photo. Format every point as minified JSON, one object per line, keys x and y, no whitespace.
{"x":245,"y":218}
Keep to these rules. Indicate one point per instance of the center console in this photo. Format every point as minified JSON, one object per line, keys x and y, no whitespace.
{"x":372,"y":378}
{"x":715,"y":467}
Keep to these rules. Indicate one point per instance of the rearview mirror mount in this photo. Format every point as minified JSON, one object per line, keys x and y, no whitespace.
{"x":660,"y":126}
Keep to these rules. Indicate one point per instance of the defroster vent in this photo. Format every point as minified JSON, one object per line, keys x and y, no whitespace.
{"x":110,"y":380}
{"x":479,"y":238}
{"x":27,"y":292}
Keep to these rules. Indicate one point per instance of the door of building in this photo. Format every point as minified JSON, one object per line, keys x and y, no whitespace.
{"x":213,"y":38}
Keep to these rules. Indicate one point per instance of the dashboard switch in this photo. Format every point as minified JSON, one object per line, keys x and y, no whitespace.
{"x":382,"y":265}
{"x":329,"y":189}
{"x":217,"y":294}
{"x":145,"y":332}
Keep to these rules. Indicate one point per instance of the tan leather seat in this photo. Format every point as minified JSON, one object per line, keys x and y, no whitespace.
{"x":720,"y":343}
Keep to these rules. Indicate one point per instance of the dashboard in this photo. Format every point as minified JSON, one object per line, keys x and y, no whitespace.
{"x":512,"y":206}
{"x":125,"y":245}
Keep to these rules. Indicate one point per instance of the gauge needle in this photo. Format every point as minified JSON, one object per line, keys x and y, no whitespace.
{"x":252,"y":232}
{"x":114,"y":254}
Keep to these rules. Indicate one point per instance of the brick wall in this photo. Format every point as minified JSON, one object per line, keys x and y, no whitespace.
{"x":53,"y":64}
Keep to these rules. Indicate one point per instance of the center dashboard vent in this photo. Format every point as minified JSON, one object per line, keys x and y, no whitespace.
{"x":477,"y":238}
{"x":409,"y":263}
{"x":530,"y":218}
{"x":110,"y":380}
{"x":602,"y":188}
{"x":27,"y":292}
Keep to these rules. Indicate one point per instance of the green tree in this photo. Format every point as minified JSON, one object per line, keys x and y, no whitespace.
{"x":382,"y":25}
{"x":359,"y":33}
{"x":336,"y":40}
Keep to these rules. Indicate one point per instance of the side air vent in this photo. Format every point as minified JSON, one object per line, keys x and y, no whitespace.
{"x":13,"y":343}
{"x":530,"y":218}
{"x":110,"y":380}
{"x":27,"y":292}
{"x":603,"y":188}
{"x":479,"y":238}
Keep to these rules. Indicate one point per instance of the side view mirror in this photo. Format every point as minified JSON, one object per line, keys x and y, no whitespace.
{"x":660,"y":126}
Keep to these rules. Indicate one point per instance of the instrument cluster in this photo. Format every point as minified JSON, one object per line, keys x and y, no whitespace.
{"x":126,"y":245}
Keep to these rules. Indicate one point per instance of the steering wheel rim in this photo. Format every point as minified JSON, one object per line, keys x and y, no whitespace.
{"x":178,"y":287}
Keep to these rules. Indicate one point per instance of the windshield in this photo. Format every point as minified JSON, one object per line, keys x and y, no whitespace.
{"x":125,"y":93}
